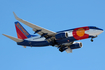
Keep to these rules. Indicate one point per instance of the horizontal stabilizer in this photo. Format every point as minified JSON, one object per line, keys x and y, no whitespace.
{"x":13,"y":38}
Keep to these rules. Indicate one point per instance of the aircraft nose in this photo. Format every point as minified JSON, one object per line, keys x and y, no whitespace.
{"x":94,"y":31}
{"x":100,"y":31}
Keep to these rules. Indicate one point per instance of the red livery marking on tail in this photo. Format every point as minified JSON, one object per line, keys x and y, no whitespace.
{"x":21,"y":32}
{"x":19,"y":36}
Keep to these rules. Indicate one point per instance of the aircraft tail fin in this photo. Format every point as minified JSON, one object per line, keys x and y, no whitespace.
{"x":13,"y":38}
{"x":21,"y":32}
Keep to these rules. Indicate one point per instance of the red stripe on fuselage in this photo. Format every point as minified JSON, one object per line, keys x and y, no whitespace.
{"x":20,"y":33}
{"x":79,"y":37}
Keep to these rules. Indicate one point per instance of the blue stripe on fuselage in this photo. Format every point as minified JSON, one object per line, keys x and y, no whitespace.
{"x":66,"y":40}
{"x":45,"y":43}
{"x":93,"y":27}
{"x":90,"y":27}
{"x":33,"y":43}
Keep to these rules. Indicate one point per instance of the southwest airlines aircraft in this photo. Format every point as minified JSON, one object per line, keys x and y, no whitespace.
{"x":64,"y":40}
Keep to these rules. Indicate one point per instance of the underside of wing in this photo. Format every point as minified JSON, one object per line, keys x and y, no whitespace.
{"x":41,"y":31}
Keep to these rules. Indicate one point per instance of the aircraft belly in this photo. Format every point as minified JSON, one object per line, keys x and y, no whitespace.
{"x":41,"y":43}
{"x":34,"y":43}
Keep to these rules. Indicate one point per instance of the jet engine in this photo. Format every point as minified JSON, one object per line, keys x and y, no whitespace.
{"x":76,"y":45}
{"x":61,"y":35}
{"x":69,"y":49}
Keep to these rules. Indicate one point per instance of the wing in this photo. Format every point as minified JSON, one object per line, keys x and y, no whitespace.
{"x":41,"y":31}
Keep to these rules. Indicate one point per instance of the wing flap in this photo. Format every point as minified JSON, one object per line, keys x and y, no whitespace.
{"x":13,"y":38}
{"x":68,"y":50}
{"x":35,"y":27}
{"x":24,"y":46}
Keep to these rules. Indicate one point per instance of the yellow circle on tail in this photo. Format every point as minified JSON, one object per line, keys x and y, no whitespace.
{"x":80,"y":32}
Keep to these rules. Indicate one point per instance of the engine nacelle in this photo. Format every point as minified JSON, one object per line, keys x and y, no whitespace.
{"x":76,"y":45}
{"x":61,"y":35}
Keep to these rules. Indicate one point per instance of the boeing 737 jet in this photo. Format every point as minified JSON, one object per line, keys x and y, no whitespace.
{"x":64,"y":40}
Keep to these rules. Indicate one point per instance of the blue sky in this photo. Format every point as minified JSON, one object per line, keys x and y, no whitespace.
{"x":54,"y":15}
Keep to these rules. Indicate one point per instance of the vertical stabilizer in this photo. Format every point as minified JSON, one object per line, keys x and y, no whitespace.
{"x":21,"y":32}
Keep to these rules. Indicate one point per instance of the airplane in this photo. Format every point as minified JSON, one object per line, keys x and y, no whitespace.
{"x":63,"y":40}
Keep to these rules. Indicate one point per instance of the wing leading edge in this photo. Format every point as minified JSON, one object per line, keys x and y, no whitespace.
{"x":36,"y":28}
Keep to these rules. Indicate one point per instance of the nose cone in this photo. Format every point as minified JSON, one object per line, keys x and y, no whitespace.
{"x":94,"y":31}
{"x":99,"y":30}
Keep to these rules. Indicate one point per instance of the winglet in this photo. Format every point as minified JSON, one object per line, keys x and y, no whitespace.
{"x":16,"y":17}
{"x":13,"y":38}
